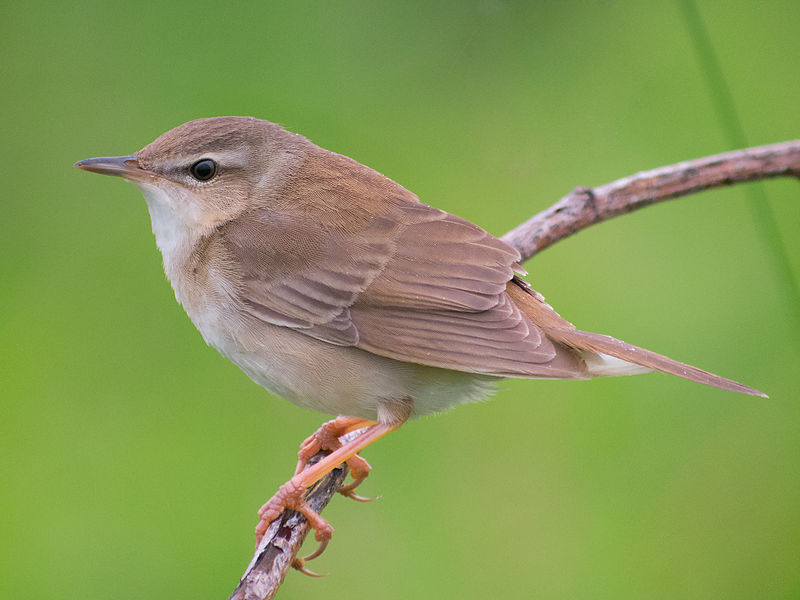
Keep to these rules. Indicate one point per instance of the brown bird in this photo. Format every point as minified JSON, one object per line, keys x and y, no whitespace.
{"x":336,"y":288}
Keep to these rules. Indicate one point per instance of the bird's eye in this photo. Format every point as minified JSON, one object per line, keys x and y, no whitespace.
{"x":204,"y":169}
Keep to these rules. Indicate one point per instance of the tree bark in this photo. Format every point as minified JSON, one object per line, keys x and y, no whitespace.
{"x":282,"y":541}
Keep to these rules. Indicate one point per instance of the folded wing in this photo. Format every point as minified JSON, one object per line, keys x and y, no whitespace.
{"x":412,"y":283}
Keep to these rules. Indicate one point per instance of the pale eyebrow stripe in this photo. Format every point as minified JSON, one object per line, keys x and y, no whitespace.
{"x":225,"y":159}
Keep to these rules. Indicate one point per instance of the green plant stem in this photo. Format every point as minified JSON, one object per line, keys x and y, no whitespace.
{"x":725,"y":109}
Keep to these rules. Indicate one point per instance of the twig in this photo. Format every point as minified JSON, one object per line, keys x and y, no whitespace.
{"x":586,"y":206}
{"x":578,"y":210}
{"x":283,"y":540}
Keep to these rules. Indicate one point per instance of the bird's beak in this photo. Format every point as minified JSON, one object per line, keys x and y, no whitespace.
{"x":120,"y":166}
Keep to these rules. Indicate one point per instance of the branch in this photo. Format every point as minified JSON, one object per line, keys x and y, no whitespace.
{"x":283,"y":539}
{"x":578,"y":210}
{"x":586,"y":206}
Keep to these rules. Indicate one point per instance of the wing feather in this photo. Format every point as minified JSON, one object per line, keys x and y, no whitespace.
{"x":412,"y":283}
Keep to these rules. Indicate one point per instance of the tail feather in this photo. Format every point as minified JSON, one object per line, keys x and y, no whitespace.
{"x":592,"y":346}
{"x":584,"y":340}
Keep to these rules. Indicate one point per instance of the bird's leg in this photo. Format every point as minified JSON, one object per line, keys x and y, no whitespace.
{"x":391,"y":415}
{"x":327,"y":438}
{"x":291,"y":494}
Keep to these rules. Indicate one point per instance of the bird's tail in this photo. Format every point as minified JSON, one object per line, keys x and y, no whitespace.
{"x":596,"y":349}
{"x":603,"y":344}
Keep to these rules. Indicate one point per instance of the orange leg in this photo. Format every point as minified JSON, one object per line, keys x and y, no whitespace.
{"x":327,"y":438}
{"x":290,"y":494}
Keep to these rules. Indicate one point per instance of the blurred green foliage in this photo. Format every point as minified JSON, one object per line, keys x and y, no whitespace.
{"x":134,"y":457}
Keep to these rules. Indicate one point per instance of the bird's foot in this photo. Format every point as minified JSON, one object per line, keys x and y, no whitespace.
{"x":291,"y":495}
{"x":326,"y":438}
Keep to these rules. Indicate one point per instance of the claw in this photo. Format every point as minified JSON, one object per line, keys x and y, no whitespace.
{"x":358,"y":498}
{"x":320,"y":549}
{"x":299,"y":564}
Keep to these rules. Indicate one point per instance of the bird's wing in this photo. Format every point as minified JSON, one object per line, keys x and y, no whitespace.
{"x":298,"y":273}
{"x":413,"y":283}
{"x":441,"y":301}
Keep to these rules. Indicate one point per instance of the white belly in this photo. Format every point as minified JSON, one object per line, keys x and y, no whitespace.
{"x":341,"y":380}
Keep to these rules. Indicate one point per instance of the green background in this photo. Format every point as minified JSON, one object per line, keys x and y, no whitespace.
{"x":134,"y":457}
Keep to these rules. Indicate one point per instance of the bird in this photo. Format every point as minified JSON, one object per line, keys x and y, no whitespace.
{"x":336,"y":288}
